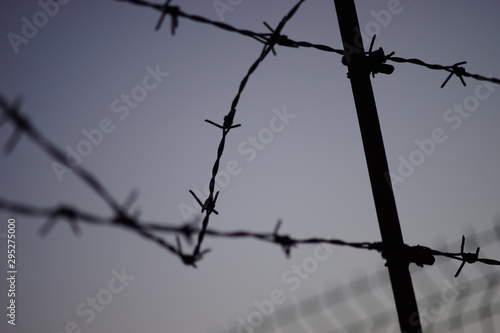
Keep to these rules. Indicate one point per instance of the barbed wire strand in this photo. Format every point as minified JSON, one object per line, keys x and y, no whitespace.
{"x":455,"y":69}
{"x":23,"y":126}
{"x":209,"y":206}
{"x":283,"y":40}
{"x":188,"y":229}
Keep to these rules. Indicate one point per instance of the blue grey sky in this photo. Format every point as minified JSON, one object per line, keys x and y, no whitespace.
{"x":305,"y":166}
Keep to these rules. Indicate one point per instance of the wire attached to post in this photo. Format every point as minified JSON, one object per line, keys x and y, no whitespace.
{"x":371,"y":62}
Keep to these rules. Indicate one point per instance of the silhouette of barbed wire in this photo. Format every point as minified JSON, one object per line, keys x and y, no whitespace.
{"x":269,"y":40}
{"x":455,"y":69}
{"x":464,"y":257}
{"x":209,"y":206}
{"x":11,"y":112}
{"x":419,"y":255}
{"x":122,"y":219}
{"x":282,"y":40}
{"x":187,"y":230}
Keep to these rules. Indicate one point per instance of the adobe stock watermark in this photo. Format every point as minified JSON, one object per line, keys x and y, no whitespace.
{"x":31,"y":26}
{"x":89,"y":308}
{"x":249,"y":149}
{"x":292,"y":279}
{"x":436,"y":306}
{"x":223,"y":6}
{"x":122,"y":107}
{"x":381,"y":19}
{"x":425,"y":148}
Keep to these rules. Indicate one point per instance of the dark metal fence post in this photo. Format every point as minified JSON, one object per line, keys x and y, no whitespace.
{"x":383,"y":195}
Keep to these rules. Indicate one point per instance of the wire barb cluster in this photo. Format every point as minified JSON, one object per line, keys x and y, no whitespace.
{"x":453,"y":70}
{"x":422,"y":255}
{"x":456,"y":70}
{"x":465,"y":257}
{"x":373,"y":62}
{"x":174,"y":12}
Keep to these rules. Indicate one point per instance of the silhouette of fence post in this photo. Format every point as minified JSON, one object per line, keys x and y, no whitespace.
{"x":360,"y":66}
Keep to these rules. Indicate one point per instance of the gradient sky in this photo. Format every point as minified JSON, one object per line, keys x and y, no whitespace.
{"x":311,"y":173}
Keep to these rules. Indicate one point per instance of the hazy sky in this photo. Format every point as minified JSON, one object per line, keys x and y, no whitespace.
{"x":297,"y":156}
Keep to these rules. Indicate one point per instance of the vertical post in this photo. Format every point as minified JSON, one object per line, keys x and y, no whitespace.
{"x":378,"y":169}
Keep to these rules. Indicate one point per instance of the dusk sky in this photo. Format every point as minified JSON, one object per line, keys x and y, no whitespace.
{"x":128,"y":103}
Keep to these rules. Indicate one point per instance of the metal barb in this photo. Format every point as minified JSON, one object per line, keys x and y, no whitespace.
{"x":466,"y":257}
{"x":209,"y":204}
{"x":371,"y":62}
{"x":61,"y":212}
{"x":173,"y":11}
{"x":456,"y":70}
{"x":228,"y":122}
{"x":284,"y":240}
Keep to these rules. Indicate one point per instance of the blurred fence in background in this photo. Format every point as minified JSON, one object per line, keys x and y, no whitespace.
{"x":469,"y":303}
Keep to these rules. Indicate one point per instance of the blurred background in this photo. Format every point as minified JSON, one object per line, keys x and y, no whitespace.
{"x":74,"y":70}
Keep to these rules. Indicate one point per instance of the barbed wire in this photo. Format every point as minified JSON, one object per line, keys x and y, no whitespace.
{"x":175,"y":12}
{"x":121,"y":218}
{"x":464,"y":257}
{"x":209,"y":205}
{"x":269,"y":40}
{"x":73,"y":215}
{"x":11,"y":112}
{"x":455,"y":69}
{"x":121,"y":215}
{"x":419,"y":255}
